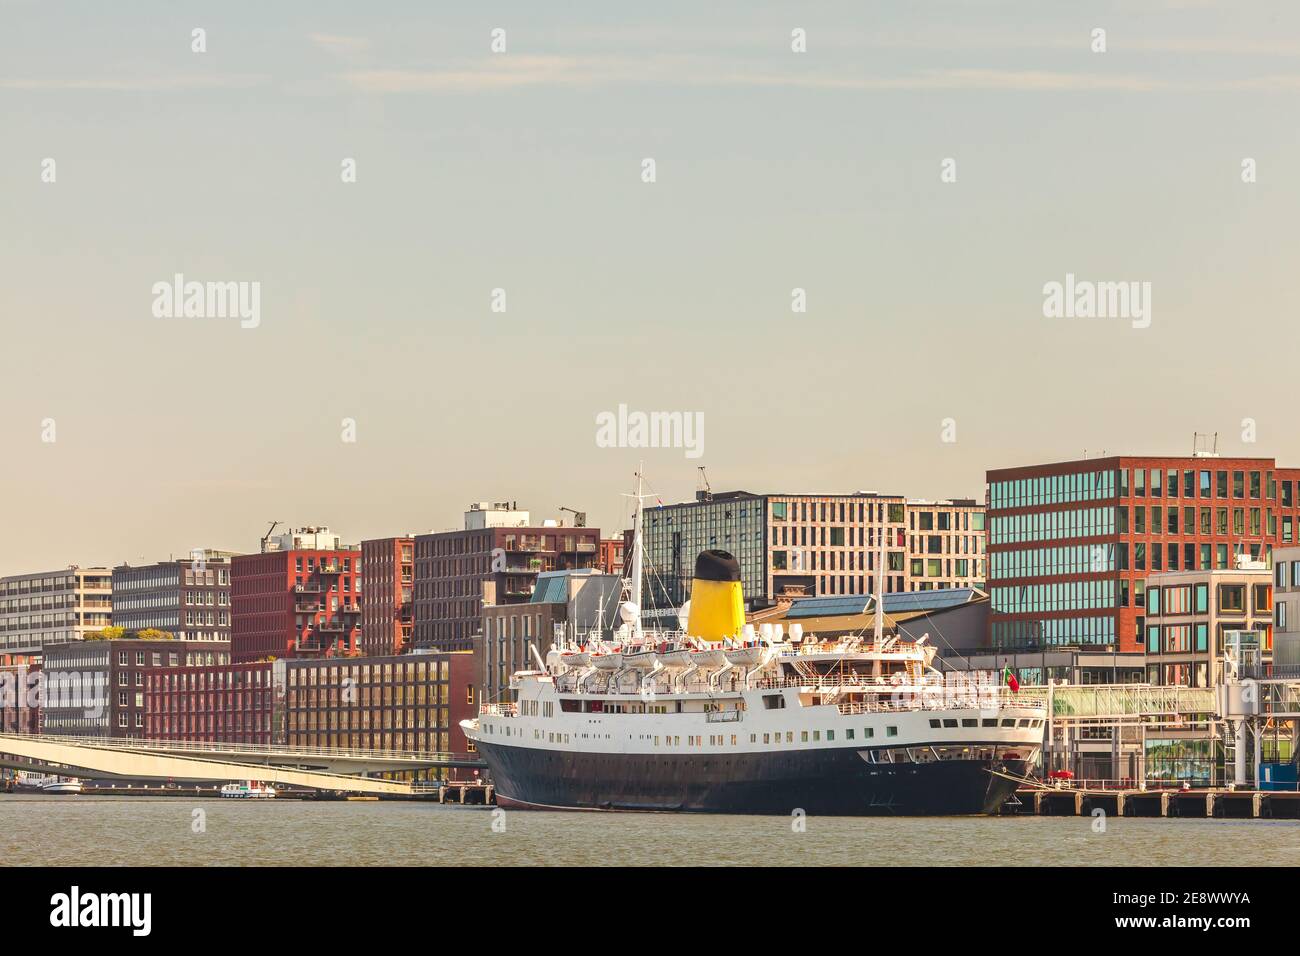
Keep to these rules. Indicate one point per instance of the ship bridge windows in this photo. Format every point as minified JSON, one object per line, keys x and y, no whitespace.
{"x":950,"y":722}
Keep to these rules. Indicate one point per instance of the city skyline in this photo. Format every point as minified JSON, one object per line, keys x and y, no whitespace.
{"x":522,"y":170}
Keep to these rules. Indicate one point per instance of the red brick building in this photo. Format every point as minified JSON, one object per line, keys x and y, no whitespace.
{"x":457,"y":572}
{"x":611,"y":555}
{"x":388,"y":582}
{"x":224,"y":703}
{"x":295,"y":603}
{"x":1071,"y":544}
{"x":20,"y":710}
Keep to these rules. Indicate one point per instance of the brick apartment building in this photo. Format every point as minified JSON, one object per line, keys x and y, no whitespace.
{"x":612,"y":551}
{"x":495,"y":560}
{"x":1072,"y":544}
{"x":221,"y":703}
{"x":300,"y":598}
{"x":20,"y":697}
{"x":388,"y":583}
{"x":410,"y":702}
{"x":96,"y":688}
{"x":188,"y":598}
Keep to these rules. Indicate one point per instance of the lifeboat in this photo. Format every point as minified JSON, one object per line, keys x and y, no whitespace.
{"x":607,"y":660}
{"x":676,"y":657}
{"x":641,"y":656}
{"x":746,"y":656}
{"x":709,"y":657}
{"x":575,"y":658}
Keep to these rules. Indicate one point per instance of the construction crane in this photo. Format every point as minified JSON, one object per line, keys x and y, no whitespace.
{"x":703,"y":491}
{"x":267,"y":537}
{"x":579,"y":517}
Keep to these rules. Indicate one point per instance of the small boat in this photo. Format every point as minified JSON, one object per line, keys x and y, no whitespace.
{"x":248,"y":790}
{"x":676,"y":657}
{"x":575,"y":658}
{"x":60,"y":785}
{"x":709,"y":657}
{"x":608,"y":660}
{"x":746,"y":656}
{"x":642,"y":656}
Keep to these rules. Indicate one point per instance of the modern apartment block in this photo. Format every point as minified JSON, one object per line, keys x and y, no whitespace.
{"x":411,"y":702}
{"x":222,"y":703}
{"x":1286,"y":610}
{"x":388,"y":582}
{"x":188,"y":598}
{"x":299,"y":598}
{"x":96,"y":688}
{"x":794,"y":546}
{"x":53,"y":607}
{"x":493,"y":562}
{"x":1188,"y":614}
{"x":1071,"y":544}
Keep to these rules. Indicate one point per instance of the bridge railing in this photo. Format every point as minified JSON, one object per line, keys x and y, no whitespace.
{"x":275,"y":750}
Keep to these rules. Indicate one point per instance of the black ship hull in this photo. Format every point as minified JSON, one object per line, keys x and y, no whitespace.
{"x":823,"y":782}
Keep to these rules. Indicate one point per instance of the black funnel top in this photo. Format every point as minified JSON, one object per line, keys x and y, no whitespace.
{"x":717,"y":566}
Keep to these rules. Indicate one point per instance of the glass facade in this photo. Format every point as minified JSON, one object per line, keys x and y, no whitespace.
{"x":674,"y":535}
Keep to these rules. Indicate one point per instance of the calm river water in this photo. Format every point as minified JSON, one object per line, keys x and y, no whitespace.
{"x":144,"y":831}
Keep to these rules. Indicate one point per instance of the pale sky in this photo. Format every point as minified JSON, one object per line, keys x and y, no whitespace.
{"x":522,"y":170}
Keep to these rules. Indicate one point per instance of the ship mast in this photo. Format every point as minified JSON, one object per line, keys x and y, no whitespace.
{"x":634,"y":582}
{"x":880,"y":586}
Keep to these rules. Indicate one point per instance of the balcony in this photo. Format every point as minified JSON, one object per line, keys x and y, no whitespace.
{"x":333,"y":568}
{"x":351,"y":609}
{"x":306,"y":607}
{"x":308,"y":589}
{"x":586,"y":547}
{"x":334,"y":627}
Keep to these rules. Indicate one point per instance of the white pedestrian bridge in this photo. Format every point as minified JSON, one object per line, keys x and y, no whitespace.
{"x":328,"y":769}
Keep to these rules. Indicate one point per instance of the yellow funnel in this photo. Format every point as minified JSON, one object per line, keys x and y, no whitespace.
{"x":717,"y":603}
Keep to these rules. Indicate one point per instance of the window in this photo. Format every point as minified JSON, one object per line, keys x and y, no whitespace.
{"x":1232,"y":597}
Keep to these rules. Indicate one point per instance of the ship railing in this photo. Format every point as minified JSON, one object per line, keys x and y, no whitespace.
{"x":1118,"y":784}
{"x":935,"y":699}
{"x":499,"y":710}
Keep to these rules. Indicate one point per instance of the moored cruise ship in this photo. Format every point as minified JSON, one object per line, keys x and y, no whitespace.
{"x":721,"y":718}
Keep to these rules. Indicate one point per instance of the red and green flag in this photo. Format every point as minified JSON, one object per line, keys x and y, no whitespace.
{"x":1010,"y":679}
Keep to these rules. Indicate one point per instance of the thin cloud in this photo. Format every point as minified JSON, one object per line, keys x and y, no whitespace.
{"x":173,"y":83}
{"x":341,"y":47}
{"x":497,"y":74}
